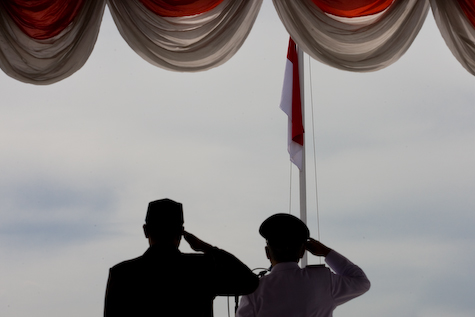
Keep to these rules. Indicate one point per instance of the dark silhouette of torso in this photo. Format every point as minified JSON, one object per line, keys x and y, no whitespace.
{"x":170,"y":283}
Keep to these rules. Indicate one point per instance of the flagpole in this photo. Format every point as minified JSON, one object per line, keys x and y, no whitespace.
{"x":302,"y":173}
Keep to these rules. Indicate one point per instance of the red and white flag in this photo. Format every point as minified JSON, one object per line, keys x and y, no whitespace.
{"x":291,"y":104}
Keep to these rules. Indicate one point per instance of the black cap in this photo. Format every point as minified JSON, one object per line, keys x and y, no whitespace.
{"x":284,"y":229}
{"x":164,"y":212}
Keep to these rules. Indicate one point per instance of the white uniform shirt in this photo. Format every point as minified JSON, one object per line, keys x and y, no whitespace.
{"x":314,"y":291}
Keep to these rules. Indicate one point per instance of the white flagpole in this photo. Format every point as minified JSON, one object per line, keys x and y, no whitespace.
{"x":302,"y":173}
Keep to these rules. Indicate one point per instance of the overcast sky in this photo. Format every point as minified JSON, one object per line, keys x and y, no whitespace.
{"x":395,"y":158}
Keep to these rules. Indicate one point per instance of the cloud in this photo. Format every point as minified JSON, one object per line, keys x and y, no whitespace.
{"x":52,"y":213}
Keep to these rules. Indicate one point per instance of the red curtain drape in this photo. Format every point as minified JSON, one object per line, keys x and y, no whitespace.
{"x":42,"y":19}
{"x":178,"y":8}
{"x":353,"y":8}
{"x":468,"y":7}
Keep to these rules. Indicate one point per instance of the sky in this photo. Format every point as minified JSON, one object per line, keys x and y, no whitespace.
{"x":390,"y":170}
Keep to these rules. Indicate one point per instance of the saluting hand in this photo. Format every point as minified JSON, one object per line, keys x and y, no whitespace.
{"x":316,"y":247}
{"x":195,"y":243}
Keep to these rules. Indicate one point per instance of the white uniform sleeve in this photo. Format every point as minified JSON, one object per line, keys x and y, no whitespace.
{"x":246,"y":308}
{"x":349,"y":281}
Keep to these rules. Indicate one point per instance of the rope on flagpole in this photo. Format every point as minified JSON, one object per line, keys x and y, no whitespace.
{"x":314,"y":149}
{"x":314,"y":146}
{"x":290,"y":186}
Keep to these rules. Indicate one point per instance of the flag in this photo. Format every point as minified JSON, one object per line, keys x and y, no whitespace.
{"x":291,"y":104}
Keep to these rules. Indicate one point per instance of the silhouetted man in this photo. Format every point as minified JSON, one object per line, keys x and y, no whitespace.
{"x":166,"y":282}
{"x":288,"y":290}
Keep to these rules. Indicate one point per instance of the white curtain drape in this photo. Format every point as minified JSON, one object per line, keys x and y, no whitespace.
{"x":188,"y":43}
{"x":46,"y":61}
{"x":361,"y":44}
{"x":457,"y":31}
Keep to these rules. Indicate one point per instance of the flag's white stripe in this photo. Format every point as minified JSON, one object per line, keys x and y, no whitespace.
{"x":286,"y":99}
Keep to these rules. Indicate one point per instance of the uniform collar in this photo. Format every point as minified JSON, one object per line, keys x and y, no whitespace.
{"x":285,"y":266}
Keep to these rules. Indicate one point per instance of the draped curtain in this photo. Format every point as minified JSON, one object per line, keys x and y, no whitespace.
{"x":187,"y":39}
{"x":362,"y":39}
{"x":45,"y":41}
{"x":456,"y":22}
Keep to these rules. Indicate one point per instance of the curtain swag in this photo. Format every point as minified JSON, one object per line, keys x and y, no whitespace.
{"x":45,"y":41}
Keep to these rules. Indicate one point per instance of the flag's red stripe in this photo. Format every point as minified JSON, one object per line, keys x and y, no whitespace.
{"x":468,"y":7}
{"x":297,"y":124}
{"x":42,"y":19}
{"x":179,"y":8}
{"x":353,"y":8}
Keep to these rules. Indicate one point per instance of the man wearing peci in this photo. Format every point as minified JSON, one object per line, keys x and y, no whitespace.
{"x":164,"y":281}
{"x":288,"y":290}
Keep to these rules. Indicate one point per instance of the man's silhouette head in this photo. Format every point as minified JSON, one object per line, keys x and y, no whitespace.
{"x":164,"y":222}
{"x":285,"y":235}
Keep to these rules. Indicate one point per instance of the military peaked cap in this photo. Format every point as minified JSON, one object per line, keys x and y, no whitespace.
{"x":284,"y":229}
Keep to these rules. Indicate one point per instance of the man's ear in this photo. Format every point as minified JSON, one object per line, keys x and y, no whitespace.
{"x":267,"y":252}
{"x":301,"y":251}
{"x":180,"y":235}
{"x":145,"y":231}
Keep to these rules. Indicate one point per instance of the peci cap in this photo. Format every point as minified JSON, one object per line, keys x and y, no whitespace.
{"x":284,"y":229}
{"x":164,"y":212}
